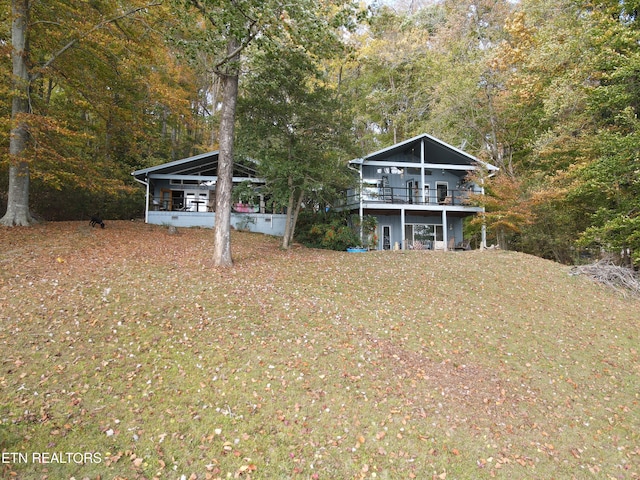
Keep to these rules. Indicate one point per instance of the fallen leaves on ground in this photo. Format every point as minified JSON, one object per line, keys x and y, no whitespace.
{"x":127,"y":343}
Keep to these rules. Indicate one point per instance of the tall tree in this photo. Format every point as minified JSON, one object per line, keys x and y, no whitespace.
{"x":295,"y":122}
{"x":231,"y":27}
{"x":389,"y":74}
{"x":605,"y":188}
{"x":230,"y":78}
{"x":43,"y":38}
{"x":18,"y":194}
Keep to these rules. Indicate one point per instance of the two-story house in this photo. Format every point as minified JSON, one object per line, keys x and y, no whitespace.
{"x":419,"y":192}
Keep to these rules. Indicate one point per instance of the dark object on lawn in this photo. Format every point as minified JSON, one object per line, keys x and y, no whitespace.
{"x":95,"y":220}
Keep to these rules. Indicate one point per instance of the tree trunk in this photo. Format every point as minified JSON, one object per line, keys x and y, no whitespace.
{"x":295,"y":204}
{"x":222,"y":236}
{"x":288,"y":221}
{"x":18,"y":195}
{"x":294,"y":220}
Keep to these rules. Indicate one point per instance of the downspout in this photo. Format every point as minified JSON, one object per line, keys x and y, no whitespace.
{"x":146,"y":197}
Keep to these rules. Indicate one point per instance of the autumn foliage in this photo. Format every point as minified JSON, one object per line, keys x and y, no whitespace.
{"x":124,"y":344}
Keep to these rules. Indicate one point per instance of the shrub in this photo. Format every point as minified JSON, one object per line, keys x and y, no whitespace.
{"x":328,"y":230}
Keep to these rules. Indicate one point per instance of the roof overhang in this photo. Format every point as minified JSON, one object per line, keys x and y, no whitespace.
{"x":203,"y":166}
{"x":438,"y":154}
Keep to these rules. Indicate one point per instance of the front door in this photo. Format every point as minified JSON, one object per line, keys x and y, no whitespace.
{"x":442,"y":191}
{"x":165,"y":199}
{"x":439,"y":244}
{"x":410,"y":195}
{"x":177,"y":200}
{"x":385,"y":238}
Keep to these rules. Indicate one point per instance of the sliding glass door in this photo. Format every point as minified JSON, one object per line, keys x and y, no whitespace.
{"x":420,"y":236}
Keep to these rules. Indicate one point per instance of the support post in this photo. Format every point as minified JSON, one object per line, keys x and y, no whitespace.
{"x":445,"y":229}
{"x":483,"y":233}
{"x":146,"y":207}
{"x":402,"y":233}
{"x":424,"y":200}
{"x":361,"y":209}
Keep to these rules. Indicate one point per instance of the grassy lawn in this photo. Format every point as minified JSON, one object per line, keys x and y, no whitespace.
{"x":126,"y":355}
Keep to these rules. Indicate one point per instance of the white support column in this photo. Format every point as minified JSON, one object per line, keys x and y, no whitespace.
{"x":361,"y":209}
{"x":146,"y":207}
{"x":483,"y":231}
{"x":424,"y":200}
{"x":445,"y":229}
{"x":402,"y":237}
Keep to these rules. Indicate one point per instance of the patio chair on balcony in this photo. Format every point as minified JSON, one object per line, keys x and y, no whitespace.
{"x":464,"y":245}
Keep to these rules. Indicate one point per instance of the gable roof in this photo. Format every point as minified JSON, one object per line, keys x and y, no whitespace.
{"x":436,"y":151}
{"x":205,"y":164}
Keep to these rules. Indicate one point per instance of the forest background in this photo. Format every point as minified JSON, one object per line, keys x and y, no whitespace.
{"x":547,"y":90}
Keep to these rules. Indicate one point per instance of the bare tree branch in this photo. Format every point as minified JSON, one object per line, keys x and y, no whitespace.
{"x":244,"y":44}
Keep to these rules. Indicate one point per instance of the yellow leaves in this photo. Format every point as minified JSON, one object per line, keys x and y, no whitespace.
{"x":245,"y":469}
{"x":516,"y":26}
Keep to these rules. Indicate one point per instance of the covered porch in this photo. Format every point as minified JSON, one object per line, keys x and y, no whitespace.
{"x":182,"y":193}
{"x":414,"y":229}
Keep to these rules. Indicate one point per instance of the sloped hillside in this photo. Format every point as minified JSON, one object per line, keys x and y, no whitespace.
{"x":126,"y":346}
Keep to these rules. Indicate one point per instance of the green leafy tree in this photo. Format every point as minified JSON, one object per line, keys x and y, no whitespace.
{"x":389,"y":75}
{"x":230,"y":28}
{"x":93,"y":87}
{"x":591,"y":99}
{"x":295,"y":123}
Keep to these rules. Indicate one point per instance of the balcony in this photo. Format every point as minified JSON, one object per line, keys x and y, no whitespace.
{"x":374,"y":197}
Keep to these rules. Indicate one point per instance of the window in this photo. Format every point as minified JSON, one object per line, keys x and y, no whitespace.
{"x":422,"y":236}
{"x":196,"y":202}
{"x":178,"y":181}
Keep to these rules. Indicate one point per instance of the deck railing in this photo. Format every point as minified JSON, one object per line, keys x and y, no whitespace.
{"x":178,"y":205}
{"x":402,"y":196}
{"x":181,"y":204}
